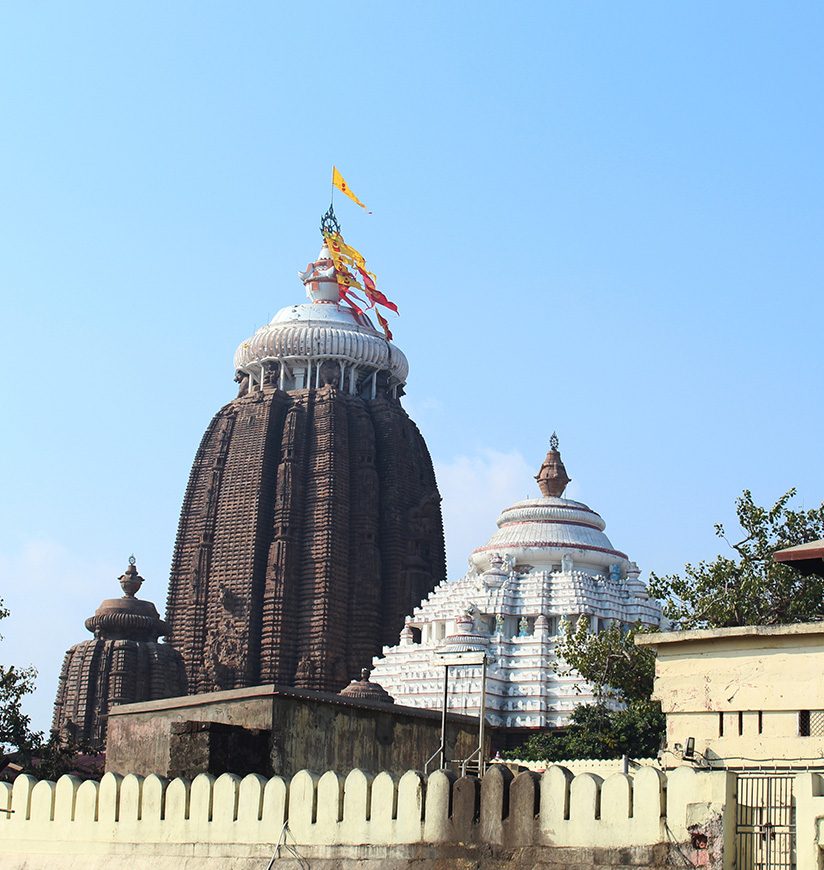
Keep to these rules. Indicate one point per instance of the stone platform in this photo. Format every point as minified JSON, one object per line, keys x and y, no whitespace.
{"x":277,"y":730}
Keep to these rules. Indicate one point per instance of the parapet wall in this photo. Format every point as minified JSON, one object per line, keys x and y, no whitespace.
{"x":153,"y":820}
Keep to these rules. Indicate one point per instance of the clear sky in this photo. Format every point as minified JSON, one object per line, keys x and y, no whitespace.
{"x":599,"y":218}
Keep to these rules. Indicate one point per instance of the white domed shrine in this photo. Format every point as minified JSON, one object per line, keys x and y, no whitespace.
{"x":549,"y":561}
{"x":321,"y":342}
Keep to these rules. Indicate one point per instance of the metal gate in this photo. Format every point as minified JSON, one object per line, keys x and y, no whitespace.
{"x":765,"y":822}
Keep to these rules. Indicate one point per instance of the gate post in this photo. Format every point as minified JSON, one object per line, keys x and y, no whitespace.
{"x":701,"y":810}
{"x":809,"y":817}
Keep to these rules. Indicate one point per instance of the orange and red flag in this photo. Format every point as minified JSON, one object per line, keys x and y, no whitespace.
{"x":373,"y":294}
{"x":346,"y":258}
{"x":384,"y":325}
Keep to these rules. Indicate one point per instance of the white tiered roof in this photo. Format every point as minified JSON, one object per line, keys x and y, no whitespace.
{"x":301,"y":338}
{"x":549,"y":561}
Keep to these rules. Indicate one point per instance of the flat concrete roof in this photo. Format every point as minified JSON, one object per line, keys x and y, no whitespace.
{"x":272,"y":692}
{"x":704,"y":634}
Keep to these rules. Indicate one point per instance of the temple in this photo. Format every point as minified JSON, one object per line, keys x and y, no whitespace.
{"x":548,"y":561}
{"x":311,"y":523}
{"x":124,"y":663}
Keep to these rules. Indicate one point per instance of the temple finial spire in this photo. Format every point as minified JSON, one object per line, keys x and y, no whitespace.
{"x":553,"y":478}
{"x":130,"y":580}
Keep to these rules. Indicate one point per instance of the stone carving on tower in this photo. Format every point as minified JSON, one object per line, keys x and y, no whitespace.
{"x":123,"y":664}
{"x":311,"y":523}
{"x":549,"y":561}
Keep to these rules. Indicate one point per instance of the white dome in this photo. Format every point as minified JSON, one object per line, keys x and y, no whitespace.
{"x":539,"y":531}
{"x":322,"y":330}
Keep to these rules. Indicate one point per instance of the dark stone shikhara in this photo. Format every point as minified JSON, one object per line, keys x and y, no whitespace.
{"x":310,"y":527}
{"x":123,"y":664}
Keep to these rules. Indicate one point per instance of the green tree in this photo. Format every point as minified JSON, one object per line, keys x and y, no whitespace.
{"x":44,"y":758}
{"x":609,"y":660}
{"x":623,"y":720}
{"x":15,"y":726}
{"x":746,"y":587}
{"x":596,"y":731}
{"x":57,"y":755}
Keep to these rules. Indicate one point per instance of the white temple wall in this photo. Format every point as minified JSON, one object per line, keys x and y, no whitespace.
{"x":523,"y":689}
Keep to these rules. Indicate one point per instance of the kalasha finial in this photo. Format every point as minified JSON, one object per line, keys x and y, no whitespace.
{"x":130,"y":581}
{"x":553,"y":478}
{"x":329,"y":223}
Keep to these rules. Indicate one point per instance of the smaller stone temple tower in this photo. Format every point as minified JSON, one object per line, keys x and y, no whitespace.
{"x":123,"y":663}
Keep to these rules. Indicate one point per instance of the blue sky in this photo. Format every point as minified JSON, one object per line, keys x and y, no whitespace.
{"x":603,"y":219}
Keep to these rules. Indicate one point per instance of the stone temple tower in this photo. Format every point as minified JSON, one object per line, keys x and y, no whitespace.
{"x":311,"y":523}
{"x":124,"y":663}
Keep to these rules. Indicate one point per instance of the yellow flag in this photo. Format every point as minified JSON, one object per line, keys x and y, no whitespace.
{"x":334,"y":252}
{"x":343,"y":187}
{"x":338,"y":247}
{"x":346,"y":279}
{"x":351,"y":253}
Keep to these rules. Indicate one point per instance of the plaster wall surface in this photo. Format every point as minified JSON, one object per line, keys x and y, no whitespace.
{"x":809,"y":819}
{"x":139,"y":734}
{"x":739,"y":692}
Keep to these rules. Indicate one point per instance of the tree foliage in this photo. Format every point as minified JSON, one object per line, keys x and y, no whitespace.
{"x":45,"y":758}
{"x":596,"y":731}
{"x":746,"y":587}
{"x":609,"y":660}
{"x":57,"y":756}
{"x":15,"y":725}
{"x":623,"y":721}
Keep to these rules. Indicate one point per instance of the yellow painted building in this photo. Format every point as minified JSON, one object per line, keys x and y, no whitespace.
{"x":743,"y":697}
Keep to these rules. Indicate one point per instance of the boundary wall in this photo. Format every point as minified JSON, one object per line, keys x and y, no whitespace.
{"x":179,"y":824}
